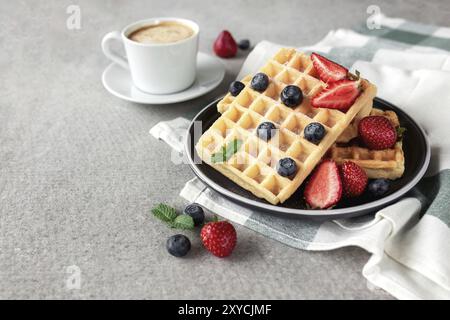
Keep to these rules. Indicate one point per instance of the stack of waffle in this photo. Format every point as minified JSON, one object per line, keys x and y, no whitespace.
{"x":253,"y":166}
{"x":387,"y":164}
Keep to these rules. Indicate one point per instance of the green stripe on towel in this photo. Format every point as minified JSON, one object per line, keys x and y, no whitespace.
{"x":408,"y":37}
{"x":434,"y":193}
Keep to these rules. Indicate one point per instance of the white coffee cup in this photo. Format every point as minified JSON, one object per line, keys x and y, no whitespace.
{"x":157,"y":68}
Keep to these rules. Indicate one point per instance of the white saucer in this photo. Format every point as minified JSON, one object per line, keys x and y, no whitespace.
{"x":210,"y":72}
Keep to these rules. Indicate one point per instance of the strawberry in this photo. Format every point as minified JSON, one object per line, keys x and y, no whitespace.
{"x":324,"y":188}
{"x":225,"y":46}
{"x":338,"y":95}
{"x":354,"y":179}
{"x":219,"y":238}
{"x":328,"y":70}
{"x":377,"y":132}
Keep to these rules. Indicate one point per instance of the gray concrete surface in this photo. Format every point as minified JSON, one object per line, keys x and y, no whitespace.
{"x":79,"y":171}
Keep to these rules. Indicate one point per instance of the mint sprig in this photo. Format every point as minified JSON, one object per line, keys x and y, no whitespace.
{"x":164,"y":212}
{"x":227,"y":151}
{"x":183,"y":222}
{"x":169,"y":215}
{"x":219,"y":156}
{"x":400,"y":133}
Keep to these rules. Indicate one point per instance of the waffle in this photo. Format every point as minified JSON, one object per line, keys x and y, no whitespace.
{"x":253,"y":166}
{"x":388,"y":163}
{"x":349,"y":133}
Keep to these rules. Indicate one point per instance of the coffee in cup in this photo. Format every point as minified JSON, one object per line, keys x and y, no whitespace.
{"x":163,"y":32}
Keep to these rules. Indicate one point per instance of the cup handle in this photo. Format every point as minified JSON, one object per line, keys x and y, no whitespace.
{"x":120,"y":60}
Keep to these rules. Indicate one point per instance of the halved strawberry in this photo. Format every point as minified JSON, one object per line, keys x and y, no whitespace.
{"x":338,"y":95}
{"x":324,"y":188}
{"x":328,"y":70}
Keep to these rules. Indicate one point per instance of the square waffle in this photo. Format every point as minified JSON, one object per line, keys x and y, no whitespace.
{"x":387,"y":164}
{"x":253,"y":166}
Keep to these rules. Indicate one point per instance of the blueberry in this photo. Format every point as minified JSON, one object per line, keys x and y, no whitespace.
{"x":292,"y":96}
{"x":178,"y":245}
{"x":286,"y":167}
{"x":236,"y":87}
{"x":260,"y":82}
{"x":314,"y":132}
{"x":378,"y":187}
{"x":196,"y":212}
{"x":265,"y":130}
{"x":244,"y":44}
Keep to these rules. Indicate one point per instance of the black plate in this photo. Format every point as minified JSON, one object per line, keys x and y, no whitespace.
{"x":417,"y":156}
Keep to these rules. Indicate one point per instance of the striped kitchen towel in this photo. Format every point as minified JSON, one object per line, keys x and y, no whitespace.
{"x":409,"y":240}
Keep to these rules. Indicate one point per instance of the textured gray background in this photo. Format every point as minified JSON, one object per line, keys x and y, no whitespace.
{"x":79,"y":171}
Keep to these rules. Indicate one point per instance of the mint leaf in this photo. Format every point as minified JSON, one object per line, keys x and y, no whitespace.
{"x":164,"y":212}
{"x":233,"y":147}
{"x":169,"y":215}
{"x":227,"y":151}
{"x":218,"y":157}
{"x":400,"y":132}
{"x":183,"y":221}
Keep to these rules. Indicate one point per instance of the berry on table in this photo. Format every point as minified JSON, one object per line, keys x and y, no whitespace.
{"x":219,"y":238}
{"x":196,"y":212}
{"x":244,"y":44}
{"x":178,"y":245}
{"x":225,"y":46}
